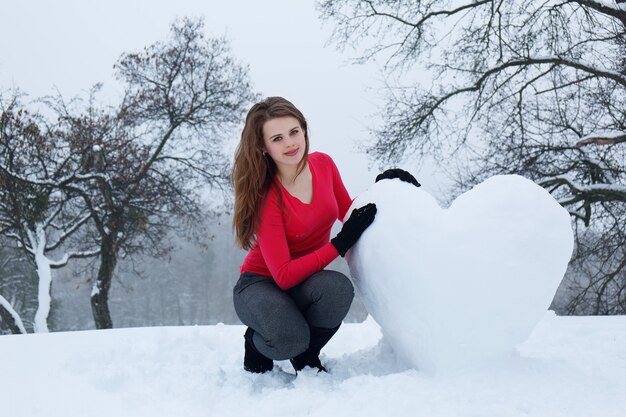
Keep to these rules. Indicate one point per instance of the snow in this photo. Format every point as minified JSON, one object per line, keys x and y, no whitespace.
{"x":570,"y":366}
{"x":567,"y":367}
{"x":456,"y":288}
{"x":95,"y":289}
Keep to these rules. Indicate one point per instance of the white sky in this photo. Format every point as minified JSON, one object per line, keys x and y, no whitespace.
{"x":72,"y":44}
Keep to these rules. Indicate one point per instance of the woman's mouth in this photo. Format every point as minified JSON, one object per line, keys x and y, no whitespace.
{"x":292,"y":153}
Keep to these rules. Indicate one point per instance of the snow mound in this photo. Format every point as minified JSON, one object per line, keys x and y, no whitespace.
{"x":459,"y":287}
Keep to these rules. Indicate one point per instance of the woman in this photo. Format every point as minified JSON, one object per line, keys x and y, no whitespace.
{"x":286,"y":201}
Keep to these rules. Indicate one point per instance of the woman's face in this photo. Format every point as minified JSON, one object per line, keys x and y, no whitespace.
{"x":284,"y":141}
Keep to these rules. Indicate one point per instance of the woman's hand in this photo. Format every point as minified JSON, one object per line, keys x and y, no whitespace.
{"x":401,"y":174}
{"x":353,"y":228}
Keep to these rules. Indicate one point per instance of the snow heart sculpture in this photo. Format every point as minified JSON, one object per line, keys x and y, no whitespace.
{"x":455,"y":288}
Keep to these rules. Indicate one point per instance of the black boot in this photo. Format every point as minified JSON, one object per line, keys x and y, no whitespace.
{"x":253,"y":360}
{"x":311,"y":356}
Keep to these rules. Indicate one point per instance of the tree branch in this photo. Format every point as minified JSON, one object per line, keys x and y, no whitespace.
{"x":68,"y":231}
{"x":603,"y":8}
{"x":11,"y":317}
{"x":601,"y":140}
{"x":73,"y":255}
{"x":429,"y":15}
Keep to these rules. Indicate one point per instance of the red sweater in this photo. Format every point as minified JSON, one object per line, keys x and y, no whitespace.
{"x":293,"y":242}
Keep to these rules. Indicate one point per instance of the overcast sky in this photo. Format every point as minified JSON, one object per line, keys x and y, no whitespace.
{"x":72,"y":44}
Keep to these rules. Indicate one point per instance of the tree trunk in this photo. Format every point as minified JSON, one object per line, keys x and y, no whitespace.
{"x":44,"y":272}
{"x":100,"y":292}
{"x":38,"y":239}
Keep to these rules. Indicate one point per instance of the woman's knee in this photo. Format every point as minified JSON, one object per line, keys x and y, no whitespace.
{"x":336,"y":287}
{"x":286,"y":339}
{"x":325,"y":298}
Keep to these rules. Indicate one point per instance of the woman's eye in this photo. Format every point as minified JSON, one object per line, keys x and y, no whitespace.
{"x":293,"y":132}
{"x":277,"y":138}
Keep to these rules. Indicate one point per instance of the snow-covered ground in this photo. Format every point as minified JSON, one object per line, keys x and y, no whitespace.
{"x":570,"y":366}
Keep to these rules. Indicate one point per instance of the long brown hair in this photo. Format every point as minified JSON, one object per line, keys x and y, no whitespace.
{"x":253,"y":171}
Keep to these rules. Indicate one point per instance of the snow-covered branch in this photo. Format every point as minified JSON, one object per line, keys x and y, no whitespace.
{"x":11,"y":317}
{"x":21,"y":243}
{"x":73,"y":255}
{"x":599,"y":138}
{"x":592,"y":192}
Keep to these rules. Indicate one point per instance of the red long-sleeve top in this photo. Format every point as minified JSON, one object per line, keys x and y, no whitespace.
{"x":293,"y":241}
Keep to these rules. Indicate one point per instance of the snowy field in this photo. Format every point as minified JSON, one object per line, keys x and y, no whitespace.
{"x":455,"y":290}
{"x":570,"y":366}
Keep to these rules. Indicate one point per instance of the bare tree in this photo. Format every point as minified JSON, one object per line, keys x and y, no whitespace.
{"x":153,"y":157}
{"x":527,"y":87}
{"x":34,"y":211}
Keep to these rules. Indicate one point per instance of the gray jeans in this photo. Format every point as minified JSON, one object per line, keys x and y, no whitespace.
{"x":281,"y":319}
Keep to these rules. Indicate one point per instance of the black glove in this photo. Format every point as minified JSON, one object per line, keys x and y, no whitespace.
{"x":354,"y":227}
{"x":400,"y":174}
